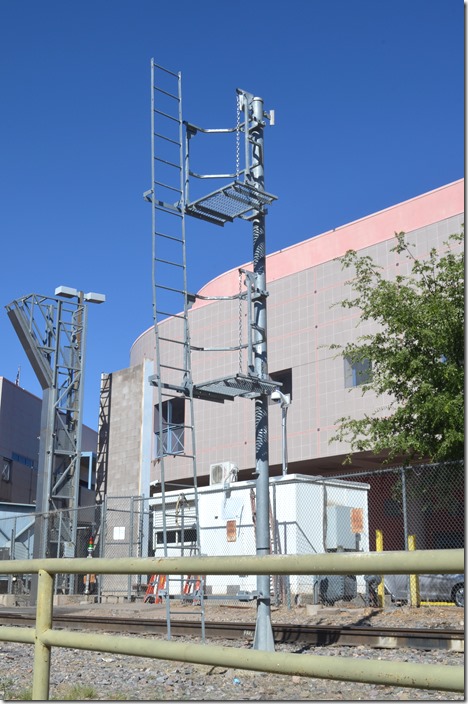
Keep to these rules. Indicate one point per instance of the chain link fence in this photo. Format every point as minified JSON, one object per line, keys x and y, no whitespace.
{"x":54,"y":533}
{"x":398,"y":508}
{"x":424,"y":501}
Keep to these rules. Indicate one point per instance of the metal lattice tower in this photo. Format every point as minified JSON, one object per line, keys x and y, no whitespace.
{"x":53,"y":334}
{"x":244,"y":198}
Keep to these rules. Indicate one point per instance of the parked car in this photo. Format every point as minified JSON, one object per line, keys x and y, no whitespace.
{"x":432,"y":587}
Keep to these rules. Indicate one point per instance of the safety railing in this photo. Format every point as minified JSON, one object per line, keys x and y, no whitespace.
{"x":400,"y":674}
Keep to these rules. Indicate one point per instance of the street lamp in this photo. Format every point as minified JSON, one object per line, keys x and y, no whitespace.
{"x":79,"y":318}
{"x":67,"y":292}
{"x":285,"y":401}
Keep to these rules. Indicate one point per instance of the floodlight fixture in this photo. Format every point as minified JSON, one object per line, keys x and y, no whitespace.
{"x":92,"y":297}
{"x":68,"y":292}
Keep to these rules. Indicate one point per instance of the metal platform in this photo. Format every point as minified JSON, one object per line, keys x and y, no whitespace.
{"x":229,"y":388}
{"x":228,"y":203}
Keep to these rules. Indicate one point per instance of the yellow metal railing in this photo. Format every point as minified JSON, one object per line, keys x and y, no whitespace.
{"x":44,"y":636}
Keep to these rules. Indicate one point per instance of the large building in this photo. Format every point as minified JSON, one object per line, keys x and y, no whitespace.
{"x":20,"y":427}
{"x":304,"y":282}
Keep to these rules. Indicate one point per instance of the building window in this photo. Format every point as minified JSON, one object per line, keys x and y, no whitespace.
{"x":6,"y":470}
{"x":357,"y":373}
{"x":171,"y":442}
{"x":27,"y":461}
{"x":177,"y":537}
{"x":284,"y":377}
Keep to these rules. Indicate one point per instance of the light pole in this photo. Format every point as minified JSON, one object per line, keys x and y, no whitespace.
{"x":77,"y":363}
{"x":285,"y":401}
{"x":53,"y":335}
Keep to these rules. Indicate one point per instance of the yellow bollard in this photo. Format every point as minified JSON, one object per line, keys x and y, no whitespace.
{"x":44,"y":609}
{"x":414,"y":595}
{"x":381,"y":587}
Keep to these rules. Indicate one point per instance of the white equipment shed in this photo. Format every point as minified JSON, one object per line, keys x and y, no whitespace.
{"x":307,"y":515}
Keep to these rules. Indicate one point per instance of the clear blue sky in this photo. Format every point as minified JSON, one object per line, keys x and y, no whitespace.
{"x":369,"y":101}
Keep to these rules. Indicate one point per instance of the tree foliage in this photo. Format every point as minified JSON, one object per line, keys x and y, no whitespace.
{"x":417,"y":354}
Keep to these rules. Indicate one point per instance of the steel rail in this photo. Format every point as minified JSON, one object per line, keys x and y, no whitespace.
{"x":349,"y":635}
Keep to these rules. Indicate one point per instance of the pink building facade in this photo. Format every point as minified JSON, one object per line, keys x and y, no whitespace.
{"x":305,"y":282}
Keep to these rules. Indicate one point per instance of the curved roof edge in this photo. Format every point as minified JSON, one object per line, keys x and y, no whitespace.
{"x":412,"y":214}
{"x":435,"y":205}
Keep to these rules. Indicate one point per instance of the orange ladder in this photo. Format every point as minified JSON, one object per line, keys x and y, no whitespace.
{"x":155,"y":585}
{"x":192,"y":586}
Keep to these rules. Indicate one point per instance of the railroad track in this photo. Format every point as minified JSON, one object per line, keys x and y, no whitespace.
{"x":371,"y":636}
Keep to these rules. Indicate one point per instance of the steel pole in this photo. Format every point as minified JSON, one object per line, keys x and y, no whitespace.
{"x":284,"y":411}
{"x":263,"y":639}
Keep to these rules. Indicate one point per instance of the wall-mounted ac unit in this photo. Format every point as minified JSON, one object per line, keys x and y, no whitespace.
{"x":223,"y":472}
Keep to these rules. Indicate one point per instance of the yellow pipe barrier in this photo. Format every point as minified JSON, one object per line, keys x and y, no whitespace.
{"x":12,"y":634}
{"x":388,"y":562}
{"x":350,"y":669}
{"x":44,"y":610}
{"x":415,"y":597}
{"x":381,"y":586}
{"x":438,"y":677}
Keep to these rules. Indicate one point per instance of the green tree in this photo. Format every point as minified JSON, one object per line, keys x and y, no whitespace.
{"x":416,"y":355}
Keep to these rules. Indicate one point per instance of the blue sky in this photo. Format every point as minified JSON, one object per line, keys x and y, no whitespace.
{"x":369,"y":101}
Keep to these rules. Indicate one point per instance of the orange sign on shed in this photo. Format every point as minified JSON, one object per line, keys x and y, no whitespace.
{"x":357,"y":523}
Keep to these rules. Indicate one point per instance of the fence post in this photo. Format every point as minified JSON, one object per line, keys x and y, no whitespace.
{"x":12,"y":555}
{"x":131,"y":538}
{"x":381,"y":587}
{"x":44,"y":608}
{"x":404,"y":507}
{"x":415,"y":599}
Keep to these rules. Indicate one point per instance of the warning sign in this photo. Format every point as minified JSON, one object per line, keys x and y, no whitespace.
{"x":357,"y":522}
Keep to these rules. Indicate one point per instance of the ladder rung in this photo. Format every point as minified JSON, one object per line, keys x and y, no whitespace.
{"x":164,"y":114}
{"x":169,"y":163}
{"x":176,"y":369}
{"x":168,"y":288}
{"x":177,"y":454}
{"x":171,"y":315}
{"x":168,"y":139}
{"x":166,"y":70}
{"x":166,"y":261}
{"x":167,"y":208}
{"x":174,"y":342}
{"x":171,"y":95}
{"x":169,"y":237}
{"x":165,"y":185}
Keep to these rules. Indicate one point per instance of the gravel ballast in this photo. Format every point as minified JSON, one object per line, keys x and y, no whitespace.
{"x":104,"y":676}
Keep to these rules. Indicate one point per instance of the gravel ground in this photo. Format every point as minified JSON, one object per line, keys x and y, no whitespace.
{"x":77,"y":674}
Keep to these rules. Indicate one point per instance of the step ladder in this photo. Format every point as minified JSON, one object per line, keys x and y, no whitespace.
{"x":156,"y":584}
{"x":194,"y":588}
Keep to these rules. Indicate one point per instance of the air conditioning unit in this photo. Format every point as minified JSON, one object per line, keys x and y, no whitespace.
{"x":223,"y":472}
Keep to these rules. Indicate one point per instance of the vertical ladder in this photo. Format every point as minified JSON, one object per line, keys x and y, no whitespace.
{"x":175,"y":432}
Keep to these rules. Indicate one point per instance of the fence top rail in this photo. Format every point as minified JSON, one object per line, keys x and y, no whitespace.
{"x":389,"y":562}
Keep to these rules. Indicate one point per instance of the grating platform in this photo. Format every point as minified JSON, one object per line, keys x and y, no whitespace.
{"x":229,"y":202}
{"x":228,"y":388}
